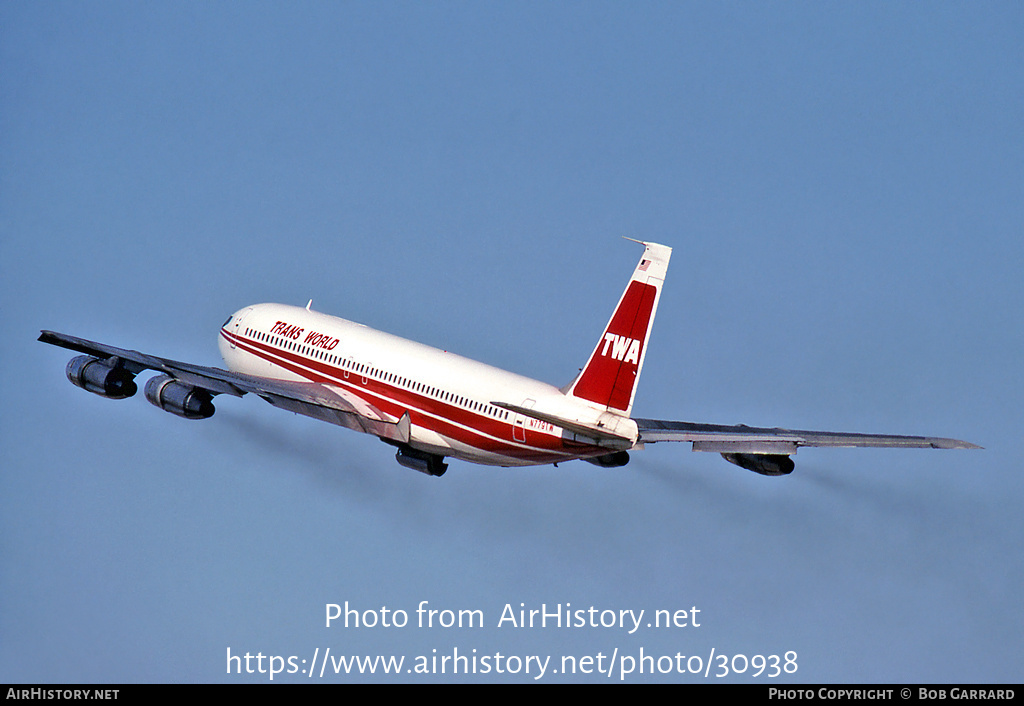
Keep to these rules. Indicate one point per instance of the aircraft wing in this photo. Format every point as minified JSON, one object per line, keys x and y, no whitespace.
{"x":754,"y":440}
{"x":320,"y":401}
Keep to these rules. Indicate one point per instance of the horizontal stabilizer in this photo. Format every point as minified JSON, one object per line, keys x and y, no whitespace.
{"x":597,"y":433}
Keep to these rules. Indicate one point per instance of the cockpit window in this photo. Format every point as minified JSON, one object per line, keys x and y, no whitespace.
{"x":227,"y":322}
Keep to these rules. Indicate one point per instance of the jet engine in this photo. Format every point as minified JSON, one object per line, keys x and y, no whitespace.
{"x":431,"y":464}
{"x":178,"y":398}
{"x":106,"y":378}
{"x":765,"y":464}
{"x":612,"y":460}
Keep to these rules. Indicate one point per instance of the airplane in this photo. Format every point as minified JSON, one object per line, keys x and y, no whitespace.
{"x":432,"y":404}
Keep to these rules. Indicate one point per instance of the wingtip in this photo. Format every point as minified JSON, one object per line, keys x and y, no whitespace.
{"x":954,"y":444}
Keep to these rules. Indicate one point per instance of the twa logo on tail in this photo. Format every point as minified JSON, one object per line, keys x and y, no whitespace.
{"x":625,"y":349}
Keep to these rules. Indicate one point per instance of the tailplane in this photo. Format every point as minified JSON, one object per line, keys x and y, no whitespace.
{"x":610,"y":376}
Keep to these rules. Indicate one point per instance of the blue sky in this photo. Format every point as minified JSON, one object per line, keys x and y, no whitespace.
{"x":842,"y":187}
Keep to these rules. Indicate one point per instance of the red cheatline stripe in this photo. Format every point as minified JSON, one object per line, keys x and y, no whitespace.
{"x":452,"y":421}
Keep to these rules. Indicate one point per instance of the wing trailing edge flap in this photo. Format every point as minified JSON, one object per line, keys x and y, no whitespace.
{"x":754,"y":440}
{"x":763,"y":446}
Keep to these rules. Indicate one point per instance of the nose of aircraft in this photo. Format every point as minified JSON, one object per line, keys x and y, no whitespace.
{"x":231,"y":328}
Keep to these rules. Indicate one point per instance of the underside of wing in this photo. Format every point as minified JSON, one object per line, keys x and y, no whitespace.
{"x":757,"y":440}
{"x":328,"y":404}
{"x":186,"y":389}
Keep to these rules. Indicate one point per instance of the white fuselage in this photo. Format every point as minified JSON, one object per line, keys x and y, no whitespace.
{"x":448,"y":397}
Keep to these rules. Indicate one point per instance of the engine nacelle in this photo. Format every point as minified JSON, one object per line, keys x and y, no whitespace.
{"x":105,"y":378}
{"x":431,"y":464}
{"x":765,"y":464}
{"x":178,"y":398}
{"x":612,"y":460}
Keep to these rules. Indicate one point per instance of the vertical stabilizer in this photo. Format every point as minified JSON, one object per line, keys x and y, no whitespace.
{"x":610,"y":376}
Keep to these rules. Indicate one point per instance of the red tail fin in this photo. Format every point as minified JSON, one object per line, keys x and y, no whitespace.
{"x":611,"y":374}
